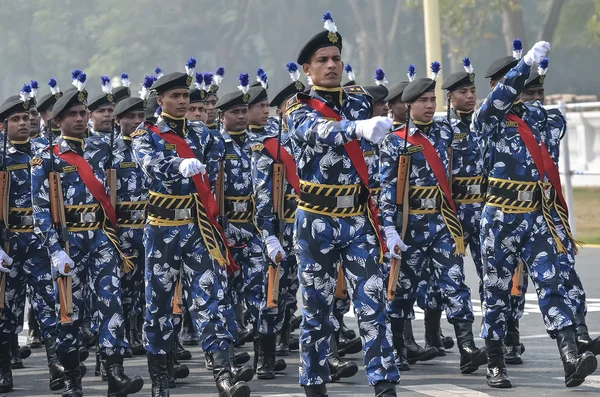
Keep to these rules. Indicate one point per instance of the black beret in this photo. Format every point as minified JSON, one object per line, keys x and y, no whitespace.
{"x":121,"y":93}
{"x":534,"y":80}
{"x":12,"y":105}
{"x":101,"y":100}
{"x":128,"y":105}
{"x":320,"y":40}
{"x":416,"y":88}
{"x":151,"y":106}
{"x":500,"y":67}
{"x":458,"y":80}
{"x":257,"y":94}
{"x":47,"y":101}
{"x":232,"y":100}
{"x":68,"y":100}
{"x":377,"y":92}
{"x":396,"y":90}
{"x":286,"y":92}
{"x":172,"y":81}
{"x":197,"y":95}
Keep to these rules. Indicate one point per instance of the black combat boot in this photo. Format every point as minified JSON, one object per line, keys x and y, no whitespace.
{"x":339,"y":369}
{"x":171,"y":370}
{"x":245,"y":334}
{"x":208,"y":361}
{"x":33,"y":336}
{"x":316,"y":390}
{"x":90,"y":339}
{"x":100,"y":369}
{"x":157,"y":367}
{"x":584,"y":342}
{"x":347,"y":346}
{"x":240,"y":358}
{"x":181,"y":353}
{"x":399,"y":346}
{"x":56,"y":370}
{"x":226,"y":385}
{"x":346,"y":333}
{"x":239,"y":371}
{"x":576,"y":366}
{"x":72,"y":373}
{"x":385,"y":389}
{"x":432,"y":331}
{"x":512,"y":342}
{"x":496,"y":369}
{"x":295,"y":322}
{"x":135,"y":337}
{"x":119,"y":384}
{"x":16,"y":361}
{"x":414,"y":351}
{"x":265,"y":368}
{"x":6,"y":378}
{"x":447,"y":341}
{"x":188,"y":333}
{"x":283,"y":337}
{"x":471,"y":358}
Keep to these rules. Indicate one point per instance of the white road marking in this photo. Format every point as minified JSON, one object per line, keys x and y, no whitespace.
{"x":445,"y":390}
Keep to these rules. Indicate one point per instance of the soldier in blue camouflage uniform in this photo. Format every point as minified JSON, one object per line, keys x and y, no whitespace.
{"x":433,"y":234}
{"x":182,"y":246}
{"x":333,"y":221}
{"x":95,"y":257}
{"x":516,"y":220}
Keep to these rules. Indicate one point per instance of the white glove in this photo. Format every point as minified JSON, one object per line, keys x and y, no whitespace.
{"x":373,"y":129}
{"x":6,"y":261}
{"x":59,"y":261}
{"x":537,"y":52}
{"x":393,"y":240}
{"x":274,"y":248}
{"x":191,"y":167}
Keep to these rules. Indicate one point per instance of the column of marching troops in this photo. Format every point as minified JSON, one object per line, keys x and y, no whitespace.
{"x":177,"y":209}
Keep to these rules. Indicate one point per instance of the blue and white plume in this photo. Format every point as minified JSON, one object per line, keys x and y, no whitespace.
{"x":468,"y":65}
{"x":158,"y":112}
{"x":81,"y":80}
{"x":435,"y":69}
{"x":53,"y":86}
{"x":208,"y":80}
{"x":412,"y":72}
{"x":158,"y":72}
{"x":26,"y":92}
{"x":380,"y":77}
{"x":190,"y":66}
{"x":543,"y":66}
{"x":125,"y":80}
{"x":146,"y":86}
{"x":292,"y":68}
{"x":219,"y":74}
{"x":74,"y":75}
{"x":328,"y":23}
{"x":517,"y":49}
{"x":349,"y":72}
{"x":244,"y":80}
{"x":34,"y":88}
{"x":199,"y":81}
{"x":262,"y":78}
{"x":106,"y":84}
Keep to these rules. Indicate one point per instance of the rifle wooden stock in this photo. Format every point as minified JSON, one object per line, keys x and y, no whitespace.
{"x":341,"y":288}
{"x":394,"y":275}
{"x":518,"y":280}
{"x":273,"y":283}
{"x":178,"y":298}
{"x":403,"y":163}
{"x":65,"y":297}
{"x":278,"y":196}
{"x":278,"y":210}
{"x":111,"y":179}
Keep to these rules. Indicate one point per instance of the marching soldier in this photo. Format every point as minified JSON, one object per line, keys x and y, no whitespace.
{"x":44,"y":107}
{"x":34,"y":114}
{"x":336,"y":220}
{"x":184,"y":258}
{"x":516,"y":221}
{"x":101,"y":110}
{"x":83,"y":247}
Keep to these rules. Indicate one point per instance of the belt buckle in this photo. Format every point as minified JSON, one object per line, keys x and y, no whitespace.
{"x":87,"y":217}
{"x":344,"y":201}
{"x":183,"y":213}
{"x":27,"y":220}
{"x":137,"y":215}
{"x":524,"y":196}
{"x":239,"y":206}
{"x":474,"y":189}
{"x":429,"y":203}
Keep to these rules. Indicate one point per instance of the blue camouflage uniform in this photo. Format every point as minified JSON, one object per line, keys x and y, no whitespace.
{"x":175,"y":244}
{"x":31,"y":264}
{"x":521,"y":228}
{"x":96,"y":257}
{"x":328,"y":234}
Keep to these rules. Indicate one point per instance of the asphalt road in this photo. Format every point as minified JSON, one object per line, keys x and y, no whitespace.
{"x":540,"y":375}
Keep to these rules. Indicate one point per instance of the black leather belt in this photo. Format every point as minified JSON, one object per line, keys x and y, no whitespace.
{"x":238,"y":206}
{"x":425,"y":204}
{"x":462,"y":189}
{"x":349,"y":201}
{"x":172,"y":214}
{"x":290,"y":205}
{"x":132,"y":215}
{"x":84,"y":217}
{"x":533,"y":196}
{"x":20,"y":220}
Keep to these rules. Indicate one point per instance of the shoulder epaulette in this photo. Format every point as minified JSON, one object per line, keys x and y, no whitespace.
{"x":137,"y":133}
{"x":35,"y":161}
{"x":292,"y":104}
{"x":257,"y":147}
{"x":355,"y":89}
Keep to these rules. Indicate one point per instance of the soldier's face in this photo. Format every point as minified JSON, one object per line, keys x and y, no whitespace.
{"x":325,"y":67}
{"x":102,"y":118}
{"x":130,"y":121}
{"x":196,"y":112}
{"x":398,"y":109}
{"x":380,"y":109}
{"x":258,"y":113}
{"x":533,"y":94}
{"x":175,"y":102}
{"x":18,"y":126}
{"x":34,"y":121}
{"x":423,"y":109}
{"x":73,"y":121}
{"x":211,"y":112}
{"x":235,"y":119}
{"x":464,"y":98}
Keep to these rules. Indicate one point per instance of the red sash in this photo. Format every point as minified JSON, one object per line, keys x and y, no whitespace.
{"x":553,"y":176}
{"x":202,"y":187}
{"x":433,"y":160}
{"x":355,"y":154}
{"x":89,"y":180}
{"x":271,"y":144}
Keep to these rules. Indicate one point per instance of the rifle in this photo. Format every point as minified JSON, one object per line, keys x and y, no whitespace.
{"x":178,"y":297}
{"x":111,"y":172}
{"x":518,"y":280}
{"x":57,"y":211}
{"x":4,"y":206}
{"x":278,"y":209}
{"x":341,"y":287}
{"x":402,"y":207}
